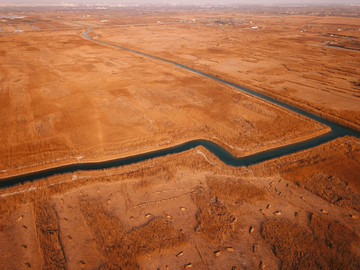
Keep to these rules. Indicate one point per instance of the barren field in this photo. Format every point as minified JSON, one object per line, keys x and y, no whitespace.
{"x":189,"y":209}
{"x":65,"y":99}
{"x":309,"y":61}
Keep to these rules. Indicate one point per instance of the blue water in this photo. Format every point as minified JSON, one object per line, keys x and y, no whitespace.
{"x":337,"y":130}
{"x":37,"y":28}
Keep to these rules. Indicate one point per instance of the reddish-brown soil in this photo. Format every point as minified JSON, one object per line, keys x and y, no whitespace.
{"x":65,"y":99}
{"x":183,"y":209}
{"x":334,"y":177}
{"x":286,"y":57}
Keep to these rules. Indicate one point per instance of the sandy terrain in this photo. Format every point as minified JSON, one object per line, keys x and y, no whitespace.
{"x":286,"y":57}
{"x":65,"y":99}
{"x":190,"y":209}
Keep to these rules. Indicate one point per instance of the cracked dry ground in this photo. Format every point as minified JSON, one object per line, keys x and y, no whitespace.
{"x":190,"y":210}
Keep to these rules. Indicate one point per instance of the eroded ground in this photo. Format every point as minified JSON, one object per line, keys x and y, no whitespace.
{"x":190,"y":209}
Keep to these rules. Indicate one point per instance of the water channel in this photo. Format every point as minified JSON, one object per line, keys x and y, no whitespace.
{"x":337,"y":130}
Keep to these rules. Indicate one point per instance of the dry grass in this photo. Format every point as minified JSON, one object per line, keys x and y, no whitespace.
{"x":47,"y":228}
{"x":148,"y":171}
{"x":234,"y":190}
{"x":326,"y":244}
{"x":284,"y":66}
{"x":7,"y":207}
{"x":330,"y":170}
{"x":160,"y":176}
{"x":93,"y":127}
{"x":332,"y":189}
{"x":121,"y":249}
{"x":215,"y":222}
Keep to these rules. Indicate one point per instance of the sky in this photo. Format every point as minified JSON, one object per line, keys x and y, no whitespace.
{"x":179,"y":2}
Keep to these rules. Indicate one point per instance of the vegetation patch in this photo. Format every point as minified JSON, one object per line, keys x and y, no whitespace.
{"x":121,"y":249}
{"x":215,"y":222}
{"x":234,"y":190}
{"x":325,"y":244}
{"x":47,"y":229}
{"x":332,"y":189}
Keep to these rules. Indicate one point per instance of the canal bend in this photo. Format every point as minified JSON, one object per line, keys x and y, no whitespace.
{"x":337,"y":130}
